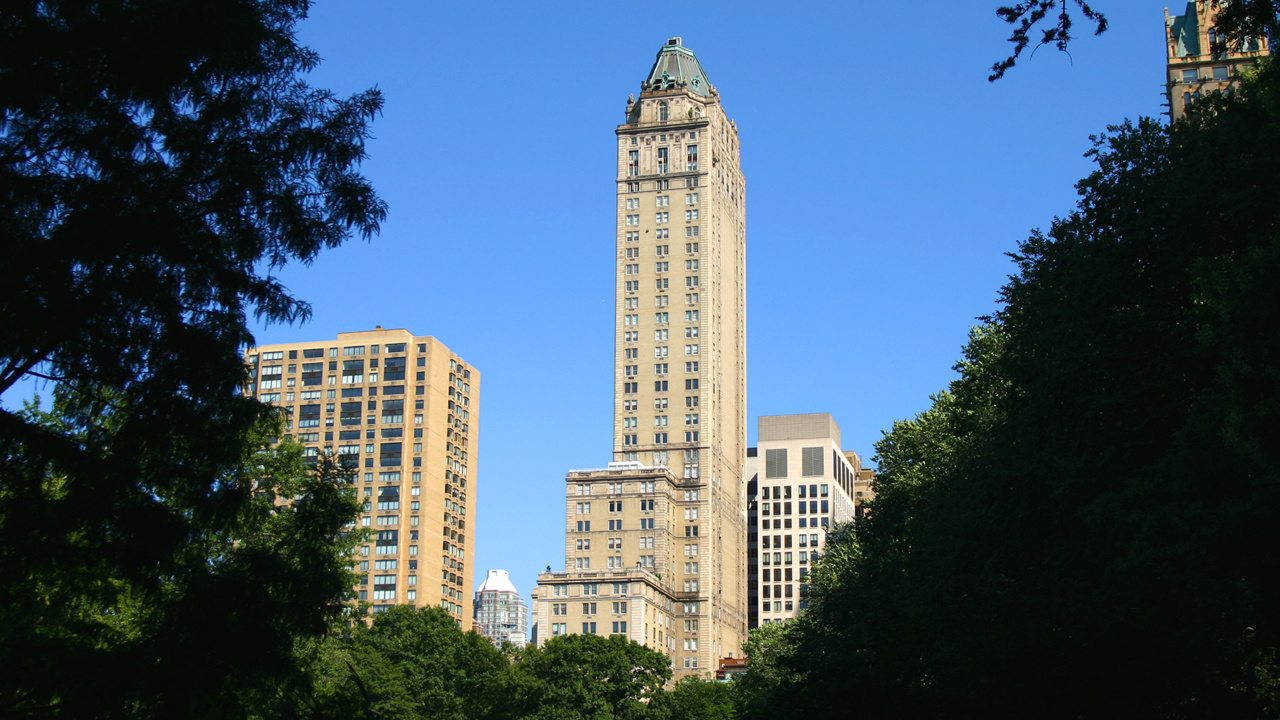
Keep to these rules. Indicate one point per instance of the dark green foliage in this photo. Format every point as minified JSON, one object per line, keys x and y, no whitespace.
{"x":411,"y":663}
{"x":157,"y":160}
{"x":1084,"y":524}
{"x":416,"y":664}
{"x":694,"y":699}
{"x":584,"y":677}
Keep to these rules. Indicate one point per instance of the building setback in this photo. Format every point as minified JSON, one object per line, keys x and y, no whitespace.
{"x":400,"y":412}
{"x":1200,"y":59}
{"x":801,"y":485}
{"x":501,"y":614}
{"x":655,"y":544}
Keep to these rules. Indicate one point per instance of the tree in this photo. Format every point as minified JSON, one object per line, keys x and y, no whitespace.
{"x":584,"y":677}
{"x":158,"y":161}
{"x":410,"y":663}
{"x":1239,"y":19}
{"x":696,"y":699}
{"x":1083,"y":525}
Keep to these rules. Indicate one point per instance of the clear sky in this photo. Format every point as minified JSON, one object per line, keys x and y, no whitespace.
{"x":886,"y":180}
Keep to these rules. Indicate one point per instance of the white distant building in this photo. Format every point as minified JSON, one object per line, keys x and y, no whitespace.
{"x":500,"y":612}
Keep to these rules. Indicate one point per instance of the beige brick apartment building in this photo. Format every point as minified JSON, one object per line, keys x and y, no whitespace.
{"x":400,"y":412}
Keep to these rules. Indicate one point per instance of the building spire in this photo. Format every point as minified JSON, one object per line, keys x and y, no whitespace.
{"x":676,"y":67}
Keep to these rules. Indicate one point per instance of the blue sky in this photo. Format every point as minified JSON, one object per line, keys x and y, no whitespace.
{"x":886,"y":180}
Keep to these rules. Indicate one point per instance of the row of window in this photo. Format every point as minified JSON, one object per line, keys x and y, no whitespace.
{"x":615,"y":506}
{"x":784,"y":508}
{"x":390,"y":349}
{"x":662,"y":201}
{"x":784,"y":491}
{"x":663,"y":165}
{"x":630,"y":439}
{"x":588,"y":608}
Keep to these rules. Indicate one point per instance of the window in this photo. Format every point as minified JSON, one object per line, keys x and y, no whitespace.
{"x":633,"y":236}
{"x":775,"y":463}
{"x":664,"y":112}
{"x":661,"y":300}
{"x":633,"y":203}
{"x":582,"y":563}
{"x":584,"y":543}
{"x":661,"y":318}
{"x":661,"y":217}
{"x":584,"y":526}
{"x":690,"y":215}
{"x":811,"y":461}
{"x":646,"y":505}
{"x":662,"y":250}
{"x":659,"y":385}
{"x":692,"y":281}
{"x":662,"y":283}
{"x":692,"y":367}
{"x":691,"y":419}
{"x":660,"y":335}
{"x":1220,"y":73}
{"x":659,"y":420}
{"x":620,"y":626}
{"x":691,"y":248}
{"x":691,"y":550}
{"x":691,"y":159}
{"x":663,"y":161}
{"x":691,"y":299}
{"x":633,"y":163}
{"x":660,"y":368}
{"x":691,"y":199}
{"x":584,"y":508}
{"x":1190,"y":76}
{"x":632,"y":269}
{"x":691,"y":586}
{"x":588,"y":628}
{"x":662,"y":201}
{"x":691,"y":349}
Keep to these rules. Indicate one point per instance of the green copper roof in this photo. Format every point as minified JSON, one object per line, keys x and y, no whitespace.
{"x":1186,"y":33}
{"x":677,"y":67}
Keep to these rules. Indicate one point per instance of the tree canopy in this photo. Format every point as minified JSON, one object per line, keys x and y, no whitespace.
{"x":1083,"y":524}
{"x":158,"y":161}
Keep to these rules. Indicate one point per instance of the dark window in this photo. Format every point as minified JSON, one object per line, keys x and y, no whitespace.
{"x":313,"y":353}
{"x":352,"y":392}
{"x":393,"y":369}
{"x":350,"y":414}
{"x":395,"y":347}
{"x":309,"y":416}
{"x":312,"y":373}
{"x":389,"y":455}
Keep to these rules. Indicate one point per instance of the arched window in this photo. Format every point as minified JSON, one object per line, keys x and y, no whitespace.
{"x":663,"y":112}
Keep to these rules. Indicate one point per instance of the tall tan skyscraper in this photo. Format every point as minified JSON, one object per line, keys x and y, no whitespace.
{"x":400,"y":412}
{"x":661,"y":557}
